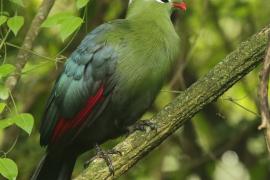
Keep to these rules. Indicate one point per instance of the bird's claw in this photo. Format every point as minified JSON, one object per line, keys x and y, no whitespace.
{"x":100,"y":153}
{"x":142,"y":126}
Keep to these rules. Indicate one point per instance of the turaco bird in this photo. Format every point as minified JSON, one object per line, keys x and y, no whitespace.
{"x":107,"y":84}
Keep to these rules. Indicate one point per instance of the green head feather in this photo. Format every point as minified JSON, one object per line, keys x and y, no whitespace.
{"x":148,"y":7}
{"x":155,"y":8}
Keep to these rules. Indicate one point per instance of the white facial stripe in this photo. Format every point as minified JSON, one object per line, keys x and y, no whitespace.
{"x":162,"y":1}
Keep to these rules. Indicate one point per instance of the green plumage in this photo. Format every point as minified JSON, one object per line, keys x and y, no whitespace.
{"x":131,"y":59}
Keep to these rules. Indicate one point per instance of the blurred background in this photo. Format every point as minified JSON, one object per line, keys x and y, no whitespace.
{"x":221,"y":142}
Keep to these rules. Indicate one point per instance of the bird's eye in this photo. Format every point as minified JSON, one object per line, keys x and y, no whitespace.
{"x":163,"y":1}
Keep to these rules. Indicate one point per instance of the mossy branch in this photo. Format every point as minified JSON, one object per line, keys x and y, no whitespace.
{"x":206,"y":90}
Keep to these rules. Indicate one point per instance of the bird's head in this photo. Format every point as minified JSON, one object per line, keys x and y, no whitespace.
{"x":164,"y":7}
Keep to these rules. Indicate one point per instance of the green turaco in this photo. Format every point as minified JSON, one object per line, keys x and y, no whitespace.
{"x":107,"y":84}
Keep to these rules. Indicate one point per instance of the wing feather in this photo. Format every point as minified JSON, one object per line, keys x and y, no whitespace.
{"x":75,"y":92}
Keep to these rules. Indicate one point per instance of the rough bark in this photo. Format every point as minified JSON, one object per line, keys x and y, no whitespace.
{"x":206,"y":90}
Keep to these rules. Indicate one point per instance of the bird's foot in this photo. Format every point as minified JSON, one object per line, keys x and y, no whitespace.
{"x":100,"y":153}
{"x":142,"y":125}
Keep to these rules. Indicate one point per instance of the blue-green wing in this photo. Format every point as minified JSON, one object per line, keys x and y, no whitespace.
{"x":88,"y":69}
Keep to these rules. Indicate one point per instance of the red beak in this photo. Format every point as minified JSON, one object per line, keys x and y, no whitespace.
{"x":180,"y":5}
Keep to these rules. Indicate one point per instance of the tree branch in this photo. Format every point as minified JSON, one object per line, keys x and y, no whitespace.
{"x":206,"y":90}
{"x":263,"y":96}
{"x":27,"y":45}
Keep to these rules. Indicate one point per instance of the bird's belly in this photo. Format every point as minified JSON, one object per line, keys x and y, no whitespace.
{"x":115,"y":119}
{"x":130,"y":99}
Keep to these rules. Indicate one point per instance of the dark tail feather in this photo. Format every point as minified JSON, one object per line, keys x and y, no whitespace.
{"x":54,"y":168}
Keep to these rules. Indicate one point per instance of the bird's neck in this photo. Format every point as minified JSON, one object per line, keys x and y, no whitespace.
{"x":145,"y":21}
{"x":156,"y":25}
{"x":139,"y":14}
{"x":153,"y":29}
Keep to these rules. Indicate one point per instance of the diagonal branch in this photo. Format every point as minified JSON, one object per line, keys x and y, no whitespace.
{"x":28,"y":42}
{"x":206,"y":90}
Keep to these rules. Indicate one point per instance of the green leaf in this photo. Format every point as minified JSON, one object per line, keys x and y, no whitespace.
{"x":18,"y":2}
{"x":6,"y":69}
{"x":4,"y":92}
{"x":56,"y":19}
{"x":8,"y":168}
{"x":81,"y":3}
{"x":3,"y":19}
{"x":69,"y":26}
{"x":4,"y":123}
{"x":67,"y":22}
{"x":15,"y":24}
{"x":24,"y":121}
{"x":2,"y":107}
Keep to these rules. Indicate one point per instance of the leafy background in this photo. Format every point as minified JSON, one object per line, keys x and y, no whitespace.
{"x":221,"y":142}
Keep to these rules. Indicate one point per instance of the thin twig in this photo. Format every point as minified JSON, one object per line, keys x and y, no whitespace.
{"x":263,"y":96}
{"x":241,"y":106}
{"x":33,"y":52}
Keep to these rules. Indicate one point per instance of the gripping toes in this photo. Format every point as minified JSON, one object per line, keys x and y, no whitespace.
{"x":105,"y":155}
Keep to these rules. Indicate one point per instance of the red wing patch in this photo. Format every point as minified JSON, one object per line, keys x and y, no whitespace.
{"x":64,"y":125}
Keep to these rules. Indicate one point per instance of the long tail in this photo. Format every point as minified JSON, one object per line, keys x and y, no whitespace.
{"x":53,"y":167}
